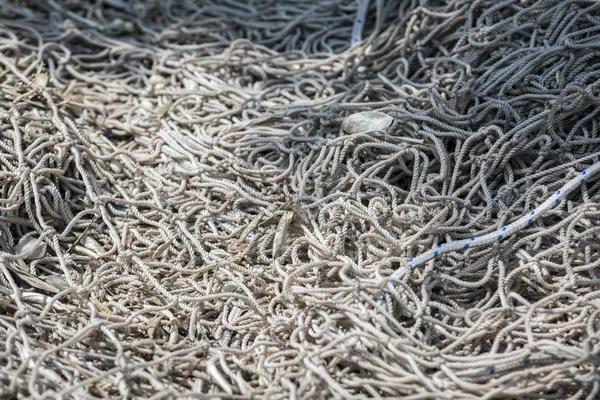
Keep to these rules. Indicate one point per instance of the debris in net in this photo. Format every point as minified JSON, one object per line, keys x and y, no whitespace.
{"x":30,"y":247}
{"x":366,"y":122}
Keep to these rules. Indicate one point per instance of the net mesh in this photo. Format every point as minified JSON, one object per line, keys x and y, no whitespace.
{"x":182,"y":215}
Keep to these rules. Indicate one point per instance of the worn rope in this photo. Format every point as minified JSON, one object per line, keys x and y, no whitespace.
{"x":183,"y":216}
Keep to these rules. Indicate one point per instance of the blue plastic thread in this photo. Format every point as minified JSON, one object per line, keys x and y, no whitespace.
{"x":547,"y":205}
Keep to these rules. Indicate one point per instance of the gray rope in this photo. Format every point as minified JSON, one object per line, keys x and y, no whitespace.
{"x":222,"y":199}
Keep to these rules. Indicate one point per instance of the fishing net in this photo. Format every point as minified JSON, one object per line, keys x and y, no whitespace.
{"x":183,"y":216}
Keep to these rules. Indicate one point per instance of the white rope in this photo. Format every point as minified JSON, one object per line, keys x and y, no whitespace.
{"x":220,"y":199}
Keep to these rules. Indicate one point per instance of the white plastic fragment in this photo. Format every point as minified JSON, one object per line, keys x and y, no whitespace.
{"x":220,"y":253}
{"x":41,"y":299}
{"x":157,"y":82}
{"x":118,"y":25}
{"x":115,"y":166}
{"x":282,"y":231}
{"x":91,"y":247}
{"x":174,"y":336}
{"x":41,"y":80}
{"x":366,"y":121}
{"x":374,"y":122}
{"x":146,"y":104}
{"x":189,"y":84}
{"x":31,"y":247}
{"x":229,"y":287}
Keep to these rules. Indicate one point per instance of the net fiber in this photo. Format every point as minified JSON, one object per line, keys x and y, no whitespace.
{"x":182,"y":216}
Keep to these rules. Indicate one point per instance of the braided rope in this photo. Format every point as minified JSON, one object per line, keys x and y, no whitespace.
{"x":221,"y":199}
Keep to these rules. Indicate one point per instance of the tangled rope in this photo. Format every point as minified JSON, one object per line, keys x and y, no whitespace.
{"x":183,"y":216}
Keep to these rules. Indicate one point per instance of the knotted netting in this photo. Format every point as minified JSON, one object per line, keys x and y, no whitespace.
{"x":183,"y":216}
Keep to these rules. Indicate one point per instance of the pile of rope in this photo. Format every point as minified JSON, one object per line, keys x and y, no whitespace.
{"x":294,"y":199}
